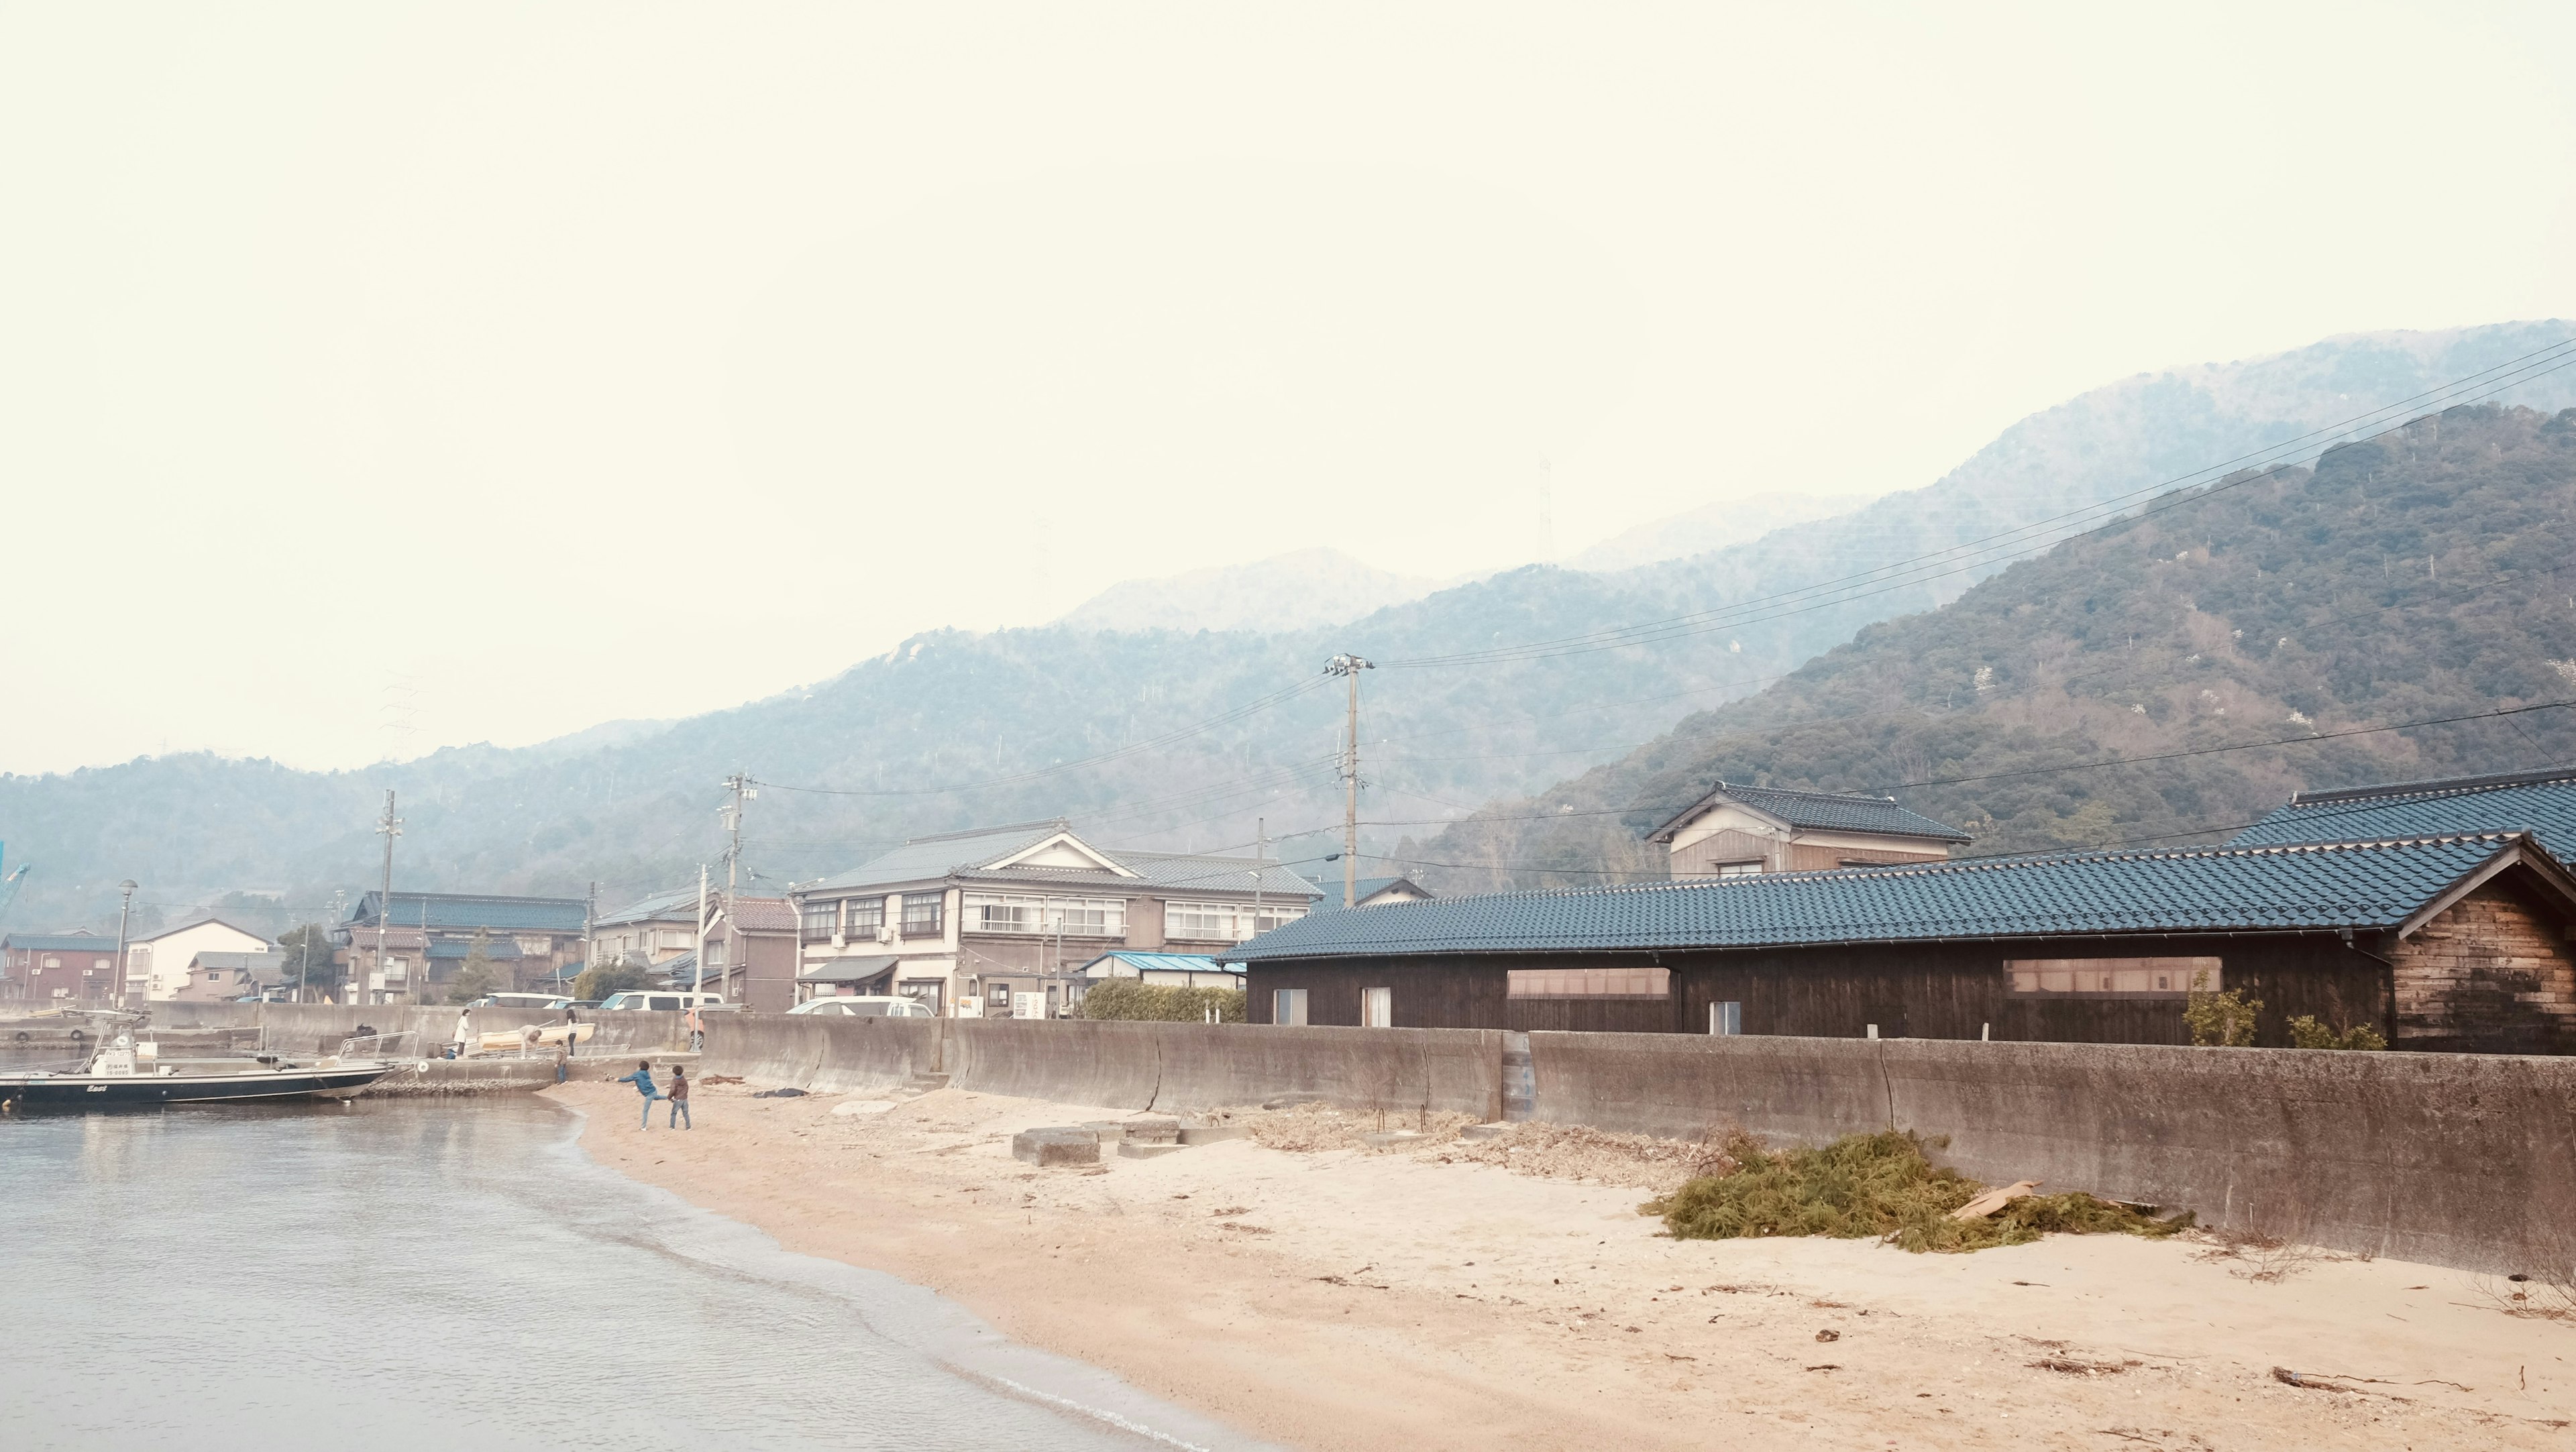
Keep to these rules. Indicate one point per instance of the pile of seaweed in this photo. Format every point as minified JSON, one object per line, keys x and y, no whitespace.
{"x":1879,"y":1185}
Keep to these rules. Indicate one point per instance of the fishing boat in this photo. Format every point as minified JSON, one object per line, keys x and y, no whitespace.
{"x":126,"y":1073}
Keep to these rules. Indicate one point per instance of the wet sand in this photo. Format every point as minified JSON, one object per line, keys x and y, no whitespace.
{"x":1356,"y":1299}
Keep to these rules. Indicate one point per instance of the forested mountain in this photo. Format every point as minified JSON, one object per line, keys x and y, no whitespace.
{"x":954,"y":729}
{"x":2430,"y":573}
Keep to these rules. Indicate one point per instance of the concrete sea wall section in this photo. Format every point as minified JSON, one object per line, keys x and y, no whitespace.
{"x":2465,"y":1160}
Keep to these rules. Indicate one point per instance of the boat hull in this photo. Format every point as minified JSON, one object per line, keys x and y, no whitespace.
{"x":123,"y":1091}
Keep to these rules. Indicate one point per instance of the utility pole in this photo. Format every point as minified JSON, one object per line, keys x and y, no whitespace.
{"x":589,"y":934}
{"x":391,"y":827}
{"x":124,"y":915}
{"x":1260,"y":850}
{"x":740,"y":786}
{"x":1350,"y":665}
{"x":700,"y":986}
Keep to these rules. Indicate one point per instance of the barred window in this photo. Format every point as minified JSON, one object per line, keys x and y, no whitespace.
{"x":2113,"y":977}
{"x":923,"y":916}
{"x":1224,"y":922}
{"x":820,"y":919}
{"x":1079,"y":917}
{"x":866,"y":915}
{"x":1591,"y":983}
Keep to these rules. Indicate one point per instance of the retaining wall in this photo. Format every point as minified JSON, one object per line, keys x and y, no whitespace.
{"x":812,"y":1051}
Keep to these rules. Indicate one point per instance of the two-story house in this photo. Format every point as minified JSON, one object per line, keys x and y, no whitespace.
{"x":532,"y":942}
{"x":58,"y":967}
{"x":156,"y":968}
{"x":1001,"y":921}
{"x":1737,"y":830}
{"x":651,"y":932}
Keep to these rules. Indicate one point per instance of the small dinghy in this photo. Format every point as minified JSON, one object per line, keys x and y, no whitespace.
{"x":127,"y":1073}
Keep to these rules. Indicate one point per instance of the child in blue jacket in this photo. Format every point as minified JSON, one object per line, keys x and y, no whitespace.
{"x":642,"y":1079}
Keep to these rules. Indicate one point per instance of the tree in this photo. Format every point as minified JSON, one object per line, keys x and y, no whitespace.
{"x":475,"y":979}
{"x":602,"y":979}
{"x":308,"y":958}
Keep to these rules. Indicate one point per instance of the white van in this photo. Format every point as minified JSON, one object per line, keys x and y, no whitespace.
{"x":660,"y":1000}
{"x":870,"y":1006}
{"x":546,"y":1001}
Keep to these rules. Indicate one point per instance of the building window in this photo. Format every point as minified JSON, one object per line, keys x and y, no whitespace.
{"x":1591,"y":983}
{"x":922,"y":914}
{"x":865,"y":916}
{"x":1736,"y":869}
{"x":1288,"y":1006}
{"x":1726,"y":1019}
{"x":1377,"y":1008}
{"x":1077,"y":917}
{"x":1223,"y":922}
{"x":53,"y":962}
{"x":678,"y":937}
{"x":716,"y":952}
{"x":2112,"y":977}
{"x":821,"y":919}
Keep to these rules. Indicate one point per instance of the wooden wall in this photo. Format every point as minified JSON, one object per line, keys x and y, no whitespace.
{"x":1942,"y":990}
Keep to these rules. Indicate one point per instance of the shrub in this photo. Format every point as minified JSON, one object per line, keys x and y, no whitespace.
{"x":2220,"y":1020}
{"x":602,"y":979}
{"x":1135,"y":1000}
{"x":2307,"y":1033}
{"x":1876,"y":1184}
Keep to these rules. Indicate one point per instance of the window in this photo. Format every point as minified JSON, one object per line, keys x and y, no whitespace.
{"x":2112,"y":977}
{"x":1288,"y":1006}
{"x":820,"y":919}
{"x":666,"y":1002}
{"x":922,"y":914}
{"x":1223,"y":922}
{"x":1726,"y":1019}
{"x":1736,"y":869}
{"x":53,"y":962}
{"x":1377,"y":1008}
{"x":717,"y":952}
{"x":865,"y":916}
{"x":1078,"y":917}
{"x":1591,"y":983}
{"x":678,"y":937}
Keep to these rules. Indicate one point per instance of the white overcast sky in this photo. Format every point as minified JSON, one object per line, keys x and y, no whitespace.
{"x":533,"y":366}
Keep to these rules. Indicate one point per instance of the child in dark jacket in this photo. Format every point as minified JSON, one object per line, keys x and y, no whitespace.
{"x":642,"y":1079}
{"x":680,"y":1097}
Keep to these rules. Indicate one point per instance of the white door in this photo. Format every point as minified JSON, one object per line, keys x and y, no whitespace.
{"x":1377,"y":1008}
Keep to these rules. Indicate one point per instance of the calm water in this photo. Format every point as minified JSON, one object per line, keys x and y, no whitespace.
{"x":431,"y":1275}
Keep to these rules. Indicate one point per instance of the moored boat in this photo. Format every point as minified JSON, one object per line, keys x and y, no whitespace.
{"x":125,"y":1074}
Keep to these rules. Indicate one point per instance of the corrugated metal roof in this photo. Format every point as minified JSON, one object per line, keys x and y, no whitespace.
{"x":2211,"y":889}
{"x":2542,"y":802}
{"x":60,"y":943}
{"x":680,"y":906}
{"x":1819,"y":812}
{"x":1158,"y":963}
{"x":848,"y":969}
{"x":475,"y":910}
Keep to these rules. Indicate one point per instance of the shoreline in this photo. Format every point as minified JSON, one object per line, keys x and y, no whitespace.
{"x":1337,"y":1298}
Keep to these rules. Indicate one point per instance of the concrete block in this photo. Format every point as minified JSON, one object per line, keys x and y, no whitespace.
{"x":1111,"y":1131}
{"x":1211,"y":1133}
{"x":1131,"y":1150}
{"x":1062,"y":1144}
{"x":1152,"y":1131}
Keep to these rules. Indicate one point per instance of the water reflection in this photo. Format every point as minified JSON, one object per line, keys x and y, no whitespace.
{"x":426,"y":1274}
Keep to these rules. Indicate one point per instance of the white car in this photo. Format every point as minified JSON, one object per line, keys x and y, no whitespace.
{"x":665,"y":1002}
{"x":868,"y":1007}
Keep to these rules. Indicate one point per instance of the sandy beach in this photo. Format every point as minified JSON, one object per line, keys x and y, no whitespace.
{"x":1340,"y":1297}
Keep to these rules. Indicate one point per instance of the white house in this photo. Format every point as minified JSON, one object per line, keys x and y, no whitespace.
{"x":157,"y":967}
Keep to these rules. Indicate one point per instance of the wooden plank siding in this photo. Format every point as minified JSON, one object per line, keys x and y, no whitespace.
{"x":1910,"y":990}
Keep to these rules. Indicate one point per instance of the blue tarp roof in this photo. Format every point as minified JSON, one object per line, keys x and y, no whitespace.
{"x":2210,"y":889}
{"x":2544,"y":802}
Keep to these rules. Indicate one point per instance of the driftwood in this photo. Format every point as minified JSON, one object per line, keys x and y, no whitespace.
{"x":1994,"y":1200}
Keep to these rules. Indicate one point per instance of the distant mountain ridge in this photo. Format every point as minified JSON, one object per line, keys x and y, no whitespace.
{"x":1294,"y":591}
{"x":956,"y":729}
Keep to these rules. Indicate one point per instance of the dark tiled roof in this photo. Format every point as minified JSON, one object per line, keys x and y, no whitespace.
{"x":2210,"y":889}
{"x":680,"y":906}
{"x":967,"y":855}
{"x":1821,"y":812}
{"x":764,"y":915}
{"x":60,"y":943}
{"x":2544,"y":802}
{"x":1366,"y":888}
{"x":475,"y":910}
{"x":499,"y":950}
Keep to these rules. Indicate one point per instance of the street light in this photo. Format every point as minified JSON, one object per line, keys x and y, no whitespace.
{"x":124,"y":916}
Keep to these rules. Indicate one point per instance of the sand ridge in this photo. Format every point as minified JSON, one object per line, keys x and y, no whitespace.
{"x":1349,"y":1299}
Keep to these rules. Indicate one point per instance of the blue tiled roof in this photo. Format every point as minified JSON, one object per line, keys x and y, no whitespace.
{"x":474,"y":910}
{"x":2544,"y":802}
{"x":2210,"y":889}
{"x":1159,"y":963}
{"x":1822,"y":812}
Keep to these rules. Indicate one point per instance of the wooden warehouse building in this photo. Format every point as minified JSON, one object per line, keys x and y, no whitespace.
{"x":2456,"y":941}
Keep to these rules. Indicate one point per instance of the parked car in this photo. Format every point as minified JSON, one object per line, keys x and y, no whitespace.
{"x":866,"y":1007}
{"x":666,"y":1002}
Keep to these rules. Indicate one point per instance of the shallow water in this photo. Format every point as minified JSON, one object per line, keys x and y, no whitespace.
{"x":428,"y":1274}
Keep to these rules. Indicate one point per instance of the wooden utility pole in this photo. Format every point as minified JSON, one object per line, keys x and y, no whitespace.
{"x":1350,"y":665}
{"x":391,"y":827}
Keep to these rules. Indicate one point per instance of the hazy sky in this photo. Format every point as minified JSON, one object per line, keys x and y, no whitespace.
{"x":525,"y":367}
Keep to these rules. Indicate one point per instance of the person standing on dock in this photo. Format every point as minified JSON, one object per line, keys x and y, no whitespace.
{"x":679,"y":1098}
{"x":642,"y":1079}
{"x":465,"y":1039}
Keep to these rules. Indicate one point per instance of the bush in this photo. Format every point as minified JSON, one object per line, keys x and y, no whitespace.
{"x":2220,"y":1020}
{"x":1137,"y":1001}
{"x":602,"y":979}
{"x":1875,"y":1184}
{"x":2307,"y":1033}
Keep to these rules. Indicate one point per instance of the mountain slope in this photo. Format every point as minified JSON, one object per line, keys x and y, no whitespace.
{"x":1297,"y":590}
{"x":2430,"y":573}
{"x":954,"y":729}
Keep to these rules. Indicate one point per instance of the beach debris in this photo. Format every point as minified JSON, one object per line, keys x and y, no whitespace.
{"x":780,"y":1094}
{"x":1829,"y":1335}
{"x":2078,"y":1366}
{"x":1993,"y":1200}
{"x":1061,"y":1144}
{"x":721,"y":1079}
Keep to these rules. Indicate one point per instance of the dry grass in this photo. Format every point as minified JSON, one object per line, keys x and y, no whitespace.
{"x":1315,"y":1128}
{"x":1876,"y":1185}
{"x":1594,"y":1156}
